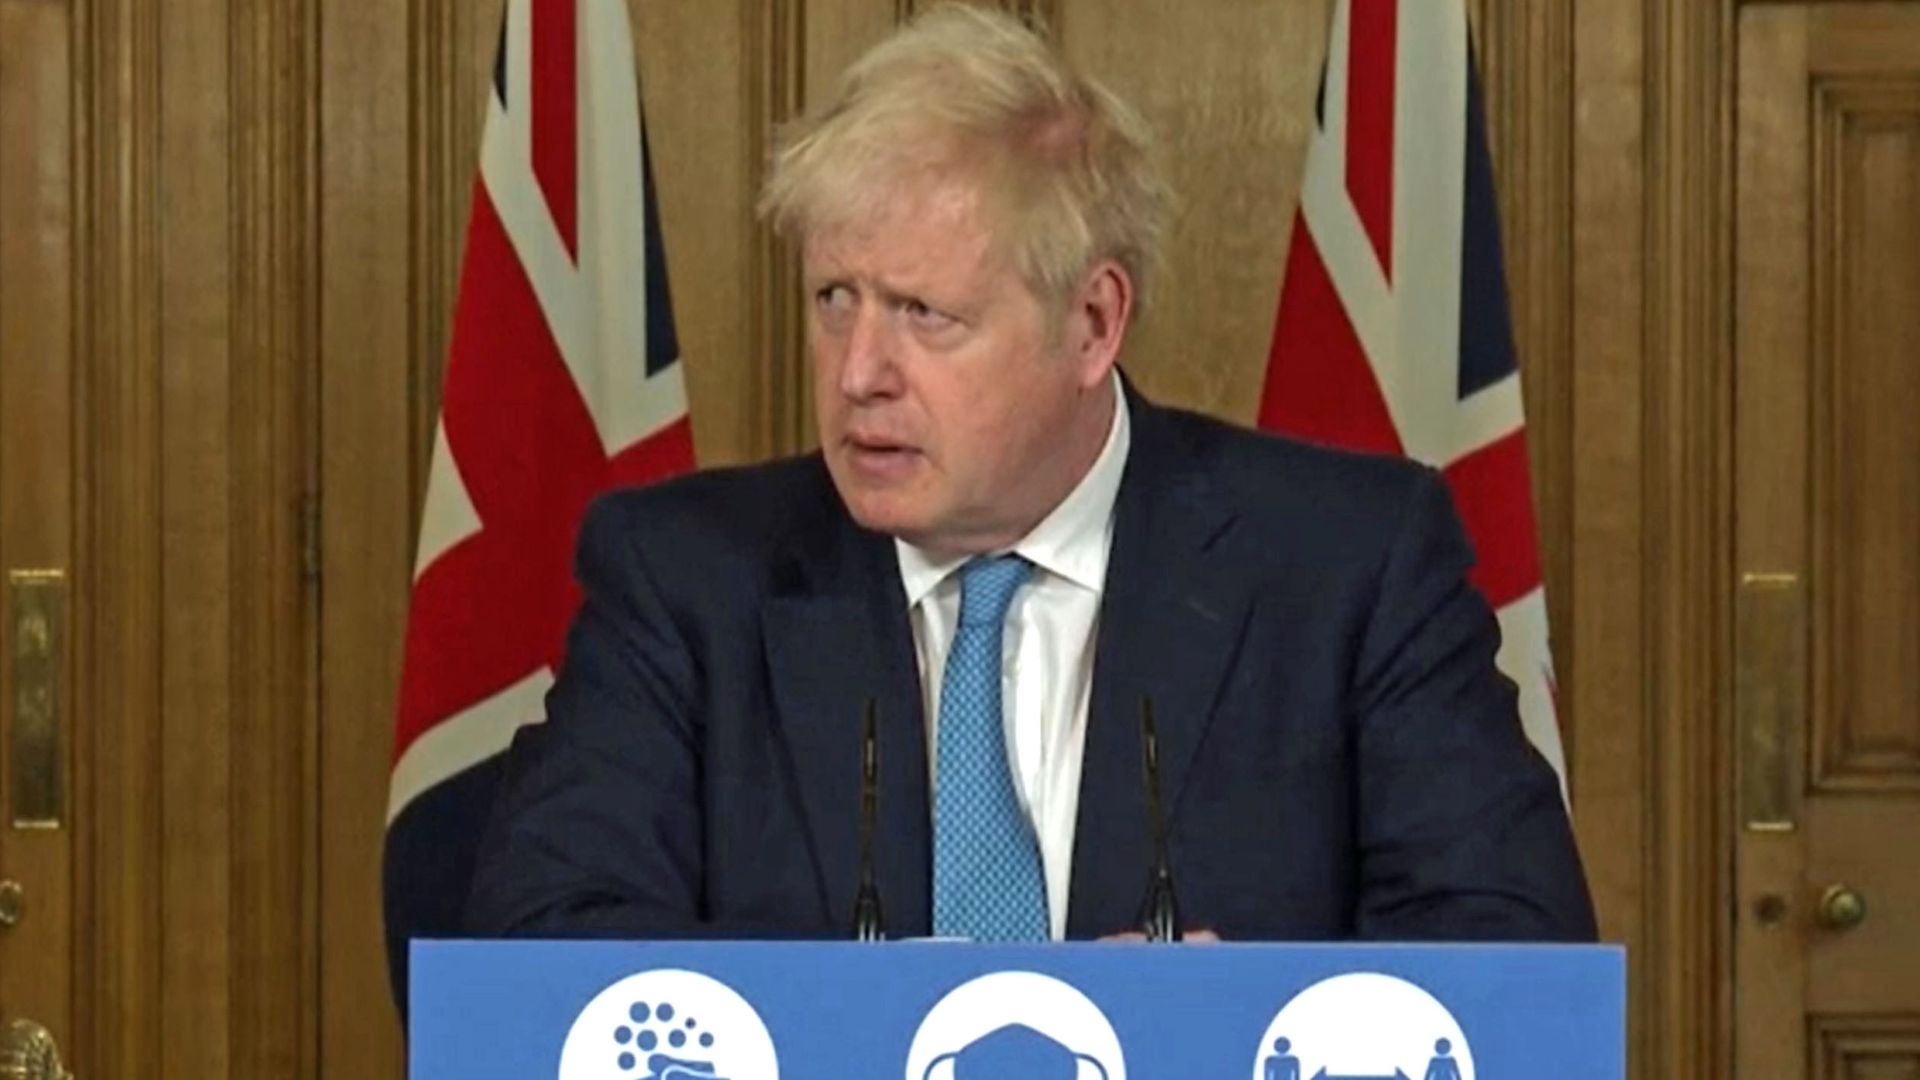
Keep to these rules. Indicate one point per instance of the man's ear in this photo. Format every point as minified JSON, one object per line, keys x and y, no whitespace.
{"x":1102,"y":311}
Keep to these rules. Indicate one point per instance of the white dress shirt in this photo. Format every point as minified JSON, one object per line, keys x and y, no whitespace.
{"x":1047,"y":658}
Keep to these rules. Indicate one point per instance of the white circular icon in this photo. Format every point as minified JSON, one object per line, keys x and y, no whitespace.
{"x":1363,"y":1025}
{"x":1015,"y":1023}
{"x":668,"y":1025}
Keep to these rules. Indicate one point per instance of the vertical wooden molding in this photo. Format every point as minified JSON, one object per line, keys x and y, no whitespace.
{"x":1525,"y":54}
{"x":274,"y":618}
{"x":775,"y":33}
{"x":1687,"y":538}
{"x":117,"y":579}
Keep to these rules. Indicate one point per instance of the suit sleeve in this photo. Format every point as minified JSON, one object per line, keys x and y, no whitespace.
{"x":1463,"y":834}
{"x":596,"y":825}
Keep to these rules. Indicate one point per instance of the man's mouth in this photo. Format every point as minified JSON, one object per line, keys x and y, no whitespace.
{"x":878,"y":454}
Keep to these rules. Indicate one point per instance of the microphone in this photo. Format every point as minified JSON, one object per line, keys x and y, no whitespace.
{"x":868,"y":925}
{"x":1160,"y":914}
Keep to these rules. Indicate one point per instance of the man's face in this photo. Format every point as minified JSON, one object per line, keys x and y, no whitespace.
{"x":953,"y":410}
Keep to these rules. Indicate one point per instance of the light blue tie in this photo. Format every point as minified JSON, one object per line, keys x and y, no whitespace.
{"x":987,"y":883}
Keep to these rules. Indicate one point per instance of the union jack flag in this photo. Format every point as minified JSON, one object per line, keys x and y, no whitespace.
{"x":1393,"y":334}
{"x":562,"y":380}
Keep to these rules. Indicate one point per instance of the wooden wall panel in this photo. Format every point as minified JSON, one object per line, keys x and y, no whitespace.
{"x":37,"y":198}
{"x":1684,"y":540}
{"x":1772,"y":289}
{"x":369,"y":432}
{"x":693,"y":60}
{"x":1233,"y":115}
{"x":274,"y":804}
{"x":153,"y":321}
{"x":1866,"y":1048}
{"x":196,"y":541}
{"x":1600,"y":628}
{"x":1866,"y":447}
{"x":1827,"y":490}
{"x":118,"y":566}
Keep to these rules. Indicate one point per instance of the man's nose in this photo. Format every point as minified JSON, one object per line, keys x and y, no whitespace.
{"x":870,"y":370}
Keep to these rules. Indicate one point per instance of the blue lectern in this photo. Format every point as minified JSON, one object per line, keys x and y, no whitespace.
{"x":943,"y":1011}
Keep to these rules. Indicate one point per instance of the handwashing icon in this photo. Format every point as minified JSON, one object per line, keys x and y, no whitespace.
{"x":1015,"y":1052}
{"x":662,"y":1067}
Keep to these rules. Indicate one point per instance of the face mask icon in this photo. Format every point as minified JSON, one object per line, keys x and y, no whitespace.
{"x":1015,"y":1052}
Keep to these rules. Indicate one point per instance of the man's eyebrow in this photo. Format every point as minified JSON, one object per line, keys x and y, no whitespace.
{"x":894,"y":296}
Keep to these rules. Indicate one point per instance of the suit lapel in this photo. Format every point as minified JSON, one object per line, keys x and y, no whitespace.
{"x":1170,"y":622}
{"x":836,"y":634}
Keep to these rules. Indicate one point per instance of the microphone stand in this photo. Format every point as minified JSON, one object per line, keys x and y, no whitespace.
{"x":1160,"y":914}
{"x":868,"y":925}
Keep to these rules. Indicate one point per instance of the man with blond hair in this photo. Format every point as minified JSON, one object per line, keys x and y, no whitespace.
{"x":1007,"y":554}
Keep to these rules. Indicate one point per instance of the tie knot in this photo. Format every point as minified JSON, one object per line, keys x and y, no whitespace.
{"x":987,"y":585}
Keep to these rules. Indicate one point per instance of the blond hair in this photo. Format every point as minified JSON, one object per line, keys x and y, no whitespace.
{"x":1065,"y":170}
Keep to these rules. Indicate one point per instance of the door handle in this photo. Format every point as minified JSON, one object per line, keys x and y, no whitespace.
{"x":27,"y":1052}
{"x":1842,"y":908}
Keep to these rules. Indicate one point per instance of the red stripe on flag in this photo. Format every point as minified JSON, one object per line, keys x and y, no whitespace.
{"x":1372,"y":33}
{"x":555,"y":87}
{"x":494,"y":608}
{"x":1319,"y":385}
{"x":667,"y":452}
{"x":1493,"y":492}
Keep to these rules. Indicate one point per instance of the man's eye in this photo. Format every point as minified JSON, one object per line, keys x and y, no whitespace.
{"x":833,"y":297}
{"x":926,"y":317}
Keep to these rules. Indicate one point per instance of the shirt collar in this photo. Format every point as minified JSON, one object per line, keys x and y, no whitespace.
{"x":1072,"y":542}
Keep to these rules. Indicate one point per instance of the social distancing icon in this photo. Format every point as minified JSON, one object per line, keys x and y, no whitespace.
{"x":1363,"y":1026}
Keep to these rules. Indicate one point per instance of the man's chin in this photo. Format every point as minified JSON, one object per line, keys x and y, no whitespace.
{"x":886,"y":516}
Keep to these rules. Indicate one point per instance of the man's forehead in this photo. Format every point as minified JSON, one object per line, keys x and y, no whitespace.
{"x":903,"y":226}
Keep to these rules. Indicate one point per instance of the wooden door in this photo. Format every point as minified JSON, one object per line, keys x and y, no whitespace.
{"x":36,"y":513}
{"x":1827,"y":505}
{"x":155,"y":686}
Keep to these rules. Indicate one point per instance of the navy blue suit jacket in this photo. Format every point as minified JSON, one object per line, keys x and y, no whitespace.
{"x":1340,"y":758}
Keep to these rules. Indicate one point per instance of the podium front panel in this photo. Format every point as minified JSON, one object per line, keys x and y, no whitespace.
{"x":945,"y":1011}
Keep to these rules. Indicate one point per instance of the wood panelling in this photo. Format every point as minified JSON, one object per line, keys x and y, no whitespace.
{"x":1684,"y":540}
{"x":776,"y":88}
{"x":1232,"y":119}
{"x":1771,"y":434}
{"x":1601,"y":621}
{"x":275,"y":810}
{"x":196,"y":541}
{"x":370,"y":431}
{"x":118,"y":567}
{"x":36,"y":467}
{"x":699,"y":102}
{"x":165,"y":345}
{"x":1866,"y":1048}
{"x":1827,"y":489}
{"x":1866,"y":449}
{"x":1045,"y":13}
